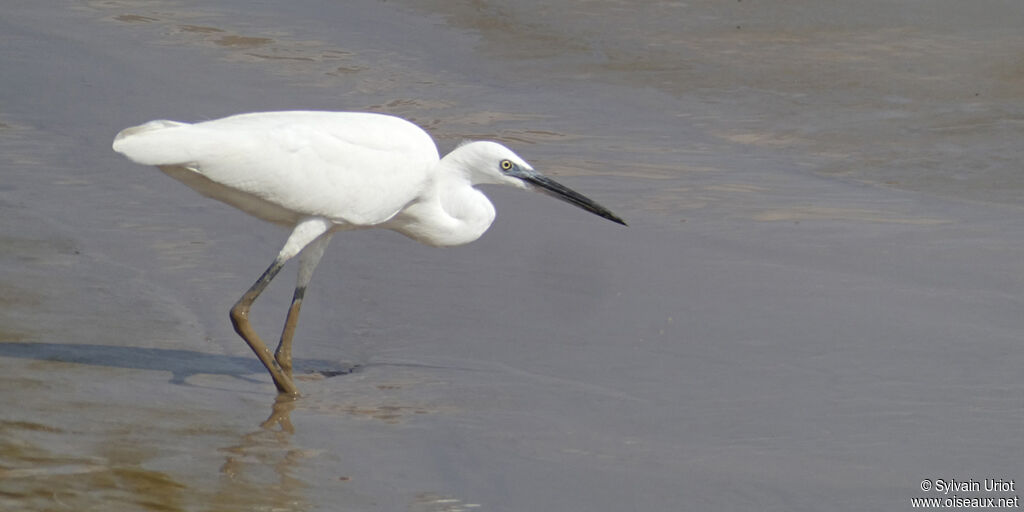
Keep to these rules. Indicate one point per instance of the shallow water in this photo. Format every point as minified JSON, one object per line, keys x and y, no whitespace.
{"x":816,"y":304}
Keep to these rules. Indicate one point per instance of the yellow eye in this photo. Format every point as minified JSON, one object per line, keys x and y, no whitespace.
{"x":506,"y":165}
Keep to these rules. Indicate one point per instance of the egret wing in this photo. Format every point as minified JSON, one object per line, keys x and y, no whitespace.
{"x":356,"y":168}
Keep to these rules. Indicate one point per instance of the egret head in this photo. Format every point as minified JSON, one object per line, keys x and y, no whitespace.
{"x":491,"y":163}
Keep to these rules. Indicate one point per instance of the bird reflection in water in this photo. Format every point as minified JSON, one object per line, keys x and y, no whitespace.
{"x":260,"y":470}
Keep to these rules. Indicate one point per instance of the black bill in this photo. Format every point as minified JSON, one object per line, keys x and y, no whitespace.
{"x":559,"y":191}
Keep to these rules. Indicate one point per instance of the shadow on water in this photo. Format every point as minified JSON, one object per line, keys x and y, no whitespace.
{"x":181,"y":363}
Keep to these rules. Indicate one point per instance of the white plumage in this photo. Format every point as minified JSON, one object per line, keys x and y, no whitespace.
{"x":324,"y":172}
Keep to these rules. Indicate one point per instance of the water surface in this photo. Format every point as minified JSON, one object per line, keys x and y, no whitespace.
{"x":815,"y":307}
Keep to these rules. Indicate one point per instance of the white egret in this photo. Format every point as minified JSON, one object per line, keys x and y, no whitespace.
{"x":323,"y":172}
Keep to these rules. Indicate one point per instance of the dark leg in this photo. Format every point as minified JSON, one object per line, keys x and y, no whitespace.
{"x":308,"y":260}
{"x":283,"y":354}
{"x":305,"y":233}
{"x":240,"y":320}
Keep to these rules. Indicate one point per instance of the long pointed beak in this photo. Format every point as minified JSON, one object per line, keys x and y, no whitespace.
{"x":559,"y":191}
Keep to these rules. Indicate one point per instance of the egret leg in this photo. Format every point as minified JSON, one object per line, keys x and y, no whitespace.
{"x":240,"y":320}
{"x":305,"y":232}
{"x":308,"y":260}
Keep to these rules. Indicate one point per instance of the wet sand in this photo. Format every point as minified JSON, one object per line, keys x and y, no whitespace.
{"x":815,"y":307}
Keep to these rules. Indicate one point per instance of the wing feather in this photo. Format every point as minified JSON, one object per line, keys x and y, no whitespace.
{"x":356,"y":168}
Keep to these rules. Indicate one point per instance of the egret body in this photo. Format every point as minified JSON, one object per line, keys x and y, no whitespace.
{"x":323,"y":172}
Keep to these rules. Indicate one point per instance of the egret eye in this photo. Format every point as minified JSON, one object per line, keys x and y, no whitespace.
{"x":506,"y":165}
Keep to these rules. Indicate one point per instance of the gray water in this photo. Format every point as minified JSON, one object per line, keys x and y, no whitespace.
{"x":816,"y":305}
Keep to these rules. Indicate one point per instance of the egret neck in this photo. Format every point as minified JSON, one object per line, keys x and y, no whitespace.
{"x":450,"y":211}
